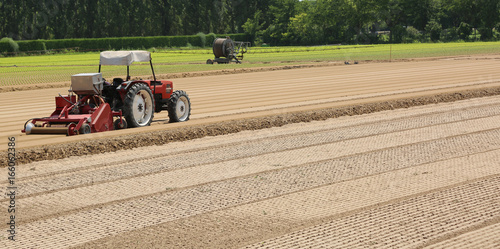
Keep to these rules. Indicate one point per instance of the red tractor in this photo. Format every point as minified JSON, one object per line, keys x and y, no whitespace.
{"x":95,"y":105}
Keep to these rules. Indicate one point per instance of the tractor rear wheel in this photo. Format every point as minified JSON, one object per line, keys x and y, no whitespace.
{"x":179,"y":107}
{"x":138,"y":107}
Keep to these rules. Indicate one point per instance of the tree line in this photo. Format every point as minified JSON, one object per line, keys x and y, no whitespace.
{"x":59,"y":19}
{"x":278,"y":22}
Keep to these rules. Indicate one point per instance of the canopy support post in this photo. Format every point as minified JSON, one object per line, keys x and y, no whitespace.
{"x":154,"y":76}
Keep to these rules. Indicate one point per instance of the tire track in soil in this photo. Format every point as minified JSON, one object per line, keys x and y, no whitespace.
{"x":116,"y":218}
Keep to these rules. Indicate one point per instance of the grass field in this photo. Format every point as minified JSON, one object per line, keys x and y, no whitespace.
{"x":27,"y":70}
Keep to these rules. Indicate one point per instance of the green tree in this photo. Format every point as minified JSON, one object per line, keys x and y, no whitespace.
{"x":362,"y":13}
{"x":253,"y":26}
{"x":279,"y":21}
{"x":489,"y":15}
{"x":299,"y":30}
{"x":419,"y":12}
{"x":281,"y":12}
{"x":330,"y":20}
{"x":391,"y":12}
{"x":434,"y":28}
{"x":464,"y":31}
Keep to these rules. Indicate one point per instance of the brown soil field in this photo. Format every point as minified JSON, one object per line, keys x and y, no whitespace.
{"x":377,"y":155}
{"x":219,"y":101}
{"x":425,"y":176}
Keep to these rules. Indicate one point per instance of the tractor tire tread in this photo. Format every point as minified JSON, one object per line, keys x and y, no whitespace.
{"x":127,"y":105}
{"x":172,"y":103}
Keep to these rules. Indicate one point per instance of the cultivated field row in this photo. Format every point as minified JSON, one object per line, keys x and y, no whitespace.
{"x":424,"y":176}
{"x":228,"y":97}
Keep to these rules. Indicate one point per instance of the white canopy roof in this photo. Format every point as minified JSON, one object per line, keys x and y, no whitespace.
{"x":124,"y":57}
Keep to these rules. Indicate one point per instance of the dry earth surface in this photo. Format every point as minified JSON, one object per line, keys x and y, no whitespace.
{"x":426,"y":176}
{"x":225,"y":98}
{"x":422,"y":177}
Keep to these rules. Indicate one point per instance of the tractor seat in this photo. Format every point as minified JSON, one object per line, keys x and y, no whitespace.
{"x":117,"y":81}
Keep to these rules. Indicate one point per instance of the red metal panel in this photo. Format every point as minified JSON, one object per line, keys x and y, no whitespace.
{"x":102,"y":119}
{"x":61,"y":103}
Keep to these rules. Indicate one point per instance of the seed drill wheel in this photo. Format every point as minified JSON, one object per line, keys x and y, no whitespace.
{"x":138,"y":107}
{"x":179,"y":107}
{"x":72,"y":129}
{"x":120,"y":124}
{"x":85,"y":129}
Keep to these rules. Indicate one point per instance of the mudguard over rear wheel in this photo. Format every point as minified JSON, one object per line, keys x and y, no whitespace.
{"x":179,"y":107}
{"x":138,"y":106}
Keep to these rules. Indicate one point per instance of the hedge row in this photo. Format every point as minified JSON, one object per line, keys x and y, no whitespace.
{"x":118,"y":43}
{"x":5,"y":47}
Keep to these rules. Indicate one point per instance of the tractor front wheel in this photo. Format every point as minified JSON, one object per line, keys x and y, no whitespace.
{"x":138,"y":107}
{"x":179,"y":107}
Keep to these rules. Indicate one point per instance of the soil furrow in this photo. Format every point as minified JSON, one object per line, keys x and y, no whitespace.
{"x":411,"y":223}
{"x":256,"y":172}
{"x":236,"y":226}
{"x":484,"y":236}
{"x":392,"y":160}
{"x":323,"y":89}
{"x":375,"y":75}
{"x":238,"y":167}
{"x":162,"y":137}
{"x":52,"y":168}
{"x":326,"y":96}
{"x":270,"y":145}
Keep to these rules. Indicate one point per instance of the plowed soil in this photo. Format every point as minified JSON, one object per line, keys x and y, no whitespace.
{"x":223,"y":104}
{"x":425,"y":176}
{"x":384,"y":155}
